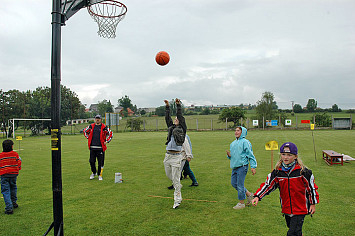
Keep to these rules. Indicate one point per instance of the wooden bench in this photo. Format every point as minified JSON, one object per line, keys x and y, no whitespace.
{"x":331,"y":157}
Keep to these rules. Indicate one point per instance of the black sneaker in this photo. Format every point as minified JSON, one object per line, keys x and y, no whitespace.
{"x":9,"y":212}
{"x":171,"y":187}
{"x":15,"y":205}
{"x":194,"y":184}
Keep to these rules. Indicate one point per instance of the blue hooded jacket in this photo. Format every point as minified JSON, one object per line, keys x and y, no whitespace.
{"x":242,"y":152}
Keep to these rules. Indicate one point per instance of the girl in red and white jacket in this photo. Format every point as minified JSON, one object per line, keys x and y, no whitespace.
{"x":298,"y":191}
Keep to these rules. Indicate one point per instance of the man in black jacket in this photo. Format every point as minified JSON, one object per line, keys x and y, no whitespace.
{"x":173,"y":156}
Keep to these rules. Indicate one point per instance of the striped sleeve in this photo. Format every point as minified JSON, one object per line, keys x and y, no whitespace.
{"x":269,"y":186}
{"x":109,"y":135}
{"x":87,"y":131}
{"x":311,"y":187}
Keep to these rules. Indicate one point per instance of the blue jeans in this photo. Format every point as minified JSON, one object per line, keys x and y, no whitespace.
{"x":237,"y":181}
{"x":9,"y":191}
{"x":187,"y":171}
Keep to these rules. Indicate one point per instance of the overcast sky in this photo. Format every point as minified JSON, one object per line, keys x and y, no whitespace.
{"x":222,"y":51}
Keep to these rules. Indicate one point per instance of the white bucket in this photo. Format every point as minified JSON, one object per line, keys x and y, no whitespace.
{"x":118,"y":178}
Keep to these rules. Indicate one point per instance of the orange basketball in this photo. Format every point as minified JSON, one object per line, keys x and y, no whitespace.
{"x":162,"y":58}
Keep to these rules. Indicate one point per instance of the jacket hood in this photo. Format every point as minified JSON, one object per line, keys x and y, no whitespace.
{"x":244,"y":132}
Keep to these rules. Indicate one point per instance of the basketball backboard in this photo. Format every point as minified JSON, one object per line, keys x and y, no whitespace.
{"x":70,"y":7}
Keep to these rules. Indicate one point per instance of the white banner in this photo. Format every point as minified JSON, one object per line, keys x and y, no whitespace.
{"x":288,"y":122}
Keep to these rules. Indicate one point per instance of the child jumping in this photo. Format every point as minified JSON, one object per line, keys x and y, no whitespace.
{"x":298,"y":191}
{"x":173,"y":156}
{"x":10,"y":164}
{"x":240,"y":155}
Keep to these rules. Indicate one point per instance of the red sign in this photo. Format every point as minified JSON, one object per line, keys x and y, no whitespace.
{"x":305,"y":121}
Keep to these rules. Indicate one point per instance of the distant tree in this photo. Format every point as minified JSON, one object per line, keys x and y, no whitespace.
{"x":266,"y":107}
{"x":215,"y":111}
{"x":160,"y":111}
{"x":134,"y":124}
{"x":311,"y":105}
{"x":198,"y":109}
{"x":205,"y":111}
{"x":297,"y":108}
{"x":232,"y":115}
{"x":125,"y":102}
{"x":283,"y":118}
{"x":143,"y":112}
{"x":71,"y":106}
{"x":335,"y":108}
{"x":173,"y":107}
{"x":323,"y":120}
{"x":104,"y":106}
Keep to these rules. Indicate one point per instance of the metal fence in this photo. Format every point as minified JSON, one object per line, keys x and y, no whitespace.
{"x":200,"y":123}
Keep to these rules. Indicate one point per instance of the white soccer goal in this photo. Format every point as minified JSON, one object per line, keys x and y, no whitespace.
{"x":11,"y":122}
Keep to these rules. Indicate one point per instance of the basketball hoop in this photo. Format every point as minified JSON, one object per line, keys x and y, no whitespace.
{"x":107,"y":15}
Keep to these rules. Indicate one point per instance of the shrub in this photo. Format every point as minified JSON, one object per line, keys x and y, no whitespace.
{"x":134,"y":124}
{"x":323,"y":120}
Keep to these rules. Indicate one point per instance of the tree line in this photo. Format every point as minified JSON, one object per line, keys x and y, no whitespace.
{"x":36,"y":104}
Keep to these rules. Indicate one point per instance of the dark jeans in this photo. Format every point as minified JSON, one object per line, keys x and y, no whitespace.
{"x":294,"y":224}
{"x":100,"y":155}
{"x":187,"y":171}
{"x":9,"y":191}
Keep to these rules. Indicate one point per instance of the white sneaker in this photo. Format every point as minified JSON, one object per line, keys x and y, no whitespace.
{"x":100,"y":177}
{"x":239,"y":206}
{"x":176,"y":205}
{"x":249,"y":199}
{"x":92,"y":176}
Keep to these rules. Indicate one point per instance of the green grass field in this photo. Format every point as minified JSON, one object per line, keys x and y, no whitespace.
{"x":105,"y":208}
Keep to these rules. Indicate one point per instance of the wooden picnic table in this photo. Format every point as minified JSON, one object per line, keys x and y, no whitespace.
{"x":331,"y":157}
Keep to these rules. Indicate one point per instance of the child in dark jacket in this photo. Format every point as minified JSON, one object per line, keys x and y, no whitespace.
{"x":10,"y":164}
{"x":298,"y":191}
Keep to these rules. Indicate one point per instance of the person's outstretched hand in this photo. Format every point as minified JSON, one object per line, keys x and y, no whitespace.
{"x":228,"y":153}
{"x":255,"y":201}
{"x":166,"y":102}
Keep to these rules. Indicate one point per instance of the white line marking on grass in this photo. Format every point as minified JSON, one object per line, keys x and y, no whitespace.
{"x":184,"y":199}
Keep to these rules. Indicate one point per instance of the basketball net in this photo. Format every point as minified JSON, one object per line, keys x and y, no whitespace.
{"x":107,"y":14}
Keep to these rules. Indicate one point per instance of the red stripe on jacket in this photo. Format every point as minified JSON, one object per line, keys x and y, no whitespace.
{"x":10,"y":163}
{"x":297,"y":191}
{"x":105,"y":135}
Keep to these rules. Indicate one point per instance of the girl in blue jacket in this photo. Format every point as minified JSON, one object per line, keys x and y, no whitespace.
{"x":240,"y":155}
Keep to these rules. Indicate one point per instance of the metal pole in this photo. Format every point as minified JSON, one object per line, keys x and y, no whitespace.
{"x":117,"y":120}
{"x":196,"y":124}
{"x":314,"y":147}
{"x":55,"y":119}
{"x":351,"y":122}
{"x":13,"y":128}
{"x":272,"y":160}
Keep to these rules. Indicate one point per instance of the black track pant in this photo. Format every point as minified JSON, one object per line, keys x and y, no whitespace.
{"x":294,"y":224}
{"x":100,"y":155}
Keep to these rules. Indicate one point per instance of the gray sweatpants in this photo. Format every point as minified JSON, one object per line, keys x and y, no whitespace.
{"x":172,"y":165}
